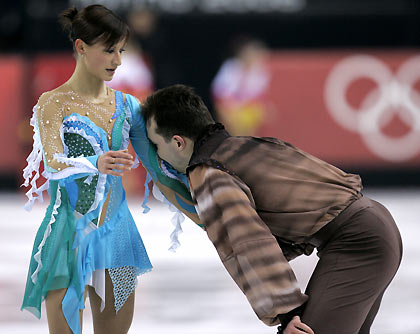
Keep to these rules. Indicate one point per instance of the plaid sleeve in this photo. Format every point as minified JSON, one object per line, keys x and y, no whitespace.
{"x":248,"y":250}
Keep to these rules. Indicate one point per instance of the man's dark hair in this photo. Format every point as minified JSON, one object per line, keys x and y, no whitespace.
{"x":177,"y":110}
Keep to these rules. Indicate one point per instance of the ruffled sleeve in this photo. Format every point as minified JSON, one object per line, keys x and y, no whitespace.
{"x":48,"y":146}
{"x":49,"y":118}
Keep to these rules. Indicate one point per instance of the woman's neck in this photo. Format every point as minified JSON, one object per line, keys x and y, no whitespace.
{"x":83,"y":83}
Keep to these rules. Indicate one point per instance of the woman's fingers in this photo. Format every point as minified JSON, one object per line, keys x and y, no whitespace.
{"x":120,"y":158}
{"x":121,"y":155}
{"x":120,"y":161}
{"x":115,"y":162}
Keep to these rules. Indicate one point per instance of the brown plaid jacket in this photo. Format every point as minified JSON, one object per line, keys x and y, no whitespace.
{"x":260,"y":200}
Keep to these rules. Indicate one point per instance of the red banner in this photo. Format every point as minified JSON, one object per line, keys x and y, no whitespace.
{"x":11,"y":89}
{"x":358,"y":109}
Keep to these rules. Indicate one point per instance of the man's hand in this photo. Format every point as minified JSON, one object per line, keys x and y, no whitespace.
{"x":296,"y":326}
{"x":115,"y":162}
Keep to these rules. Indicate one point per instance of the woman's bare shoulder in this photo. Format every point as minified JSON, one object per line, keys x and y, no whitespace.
{"x":51,"y":94}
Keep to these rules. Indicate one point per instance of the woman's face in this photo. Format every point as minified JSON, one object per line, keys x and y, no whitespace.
{"x":102,"y":61}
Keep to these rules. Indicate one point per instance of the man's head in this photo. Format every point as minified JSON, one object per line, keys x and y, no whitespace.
{"x":175,"y":116}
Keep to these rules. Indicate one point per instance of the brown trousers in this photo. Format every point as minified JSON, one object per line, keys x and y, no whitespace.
{"x":357,"y":262}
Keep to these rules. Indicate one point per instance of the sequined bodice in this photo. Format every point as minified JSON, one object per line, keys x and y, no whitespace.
{"x":53,"y":106}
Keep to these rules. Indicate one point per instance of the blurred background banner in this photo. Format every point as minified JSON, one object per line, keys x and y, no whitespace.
{"x":11,"y":107}
{"x":337,"y":78}
{"x":209,"y":6}
{"x":358,"y":110}
{"x":238,"y":7}
{"x":352,"y":108}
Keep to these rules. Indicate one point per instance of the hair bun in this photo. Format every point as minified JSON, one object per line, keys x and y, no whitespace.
{"x":93,"y":24}
{"x":66,"y":19}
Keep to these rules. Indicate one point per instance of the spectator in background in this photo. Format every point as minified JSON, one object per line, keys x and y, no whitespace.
{"x":134,"y":76}
{"x":152,"y":38}
{"x":239,"y":87}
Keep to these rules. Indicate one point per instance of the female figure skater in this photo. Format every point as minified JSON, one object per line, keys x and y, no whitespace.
{"x":88,"y":241}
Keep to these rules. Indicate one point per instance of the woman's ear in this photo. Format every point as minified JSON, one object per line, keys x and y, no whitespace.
{"x":80,"y":47}
{"x":179,"y":142}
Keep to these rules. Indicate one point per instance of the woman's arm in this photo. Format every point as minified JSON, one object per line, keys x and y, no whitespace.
{"x":50,"y":116}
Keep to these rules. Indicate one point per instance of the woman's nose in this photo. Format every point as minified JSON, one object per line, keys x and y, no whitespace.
{"x":117,"y":59}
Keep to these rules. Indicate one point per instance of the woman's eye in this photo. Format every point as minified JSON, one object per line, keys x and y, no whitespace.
{"x":112,"y":51}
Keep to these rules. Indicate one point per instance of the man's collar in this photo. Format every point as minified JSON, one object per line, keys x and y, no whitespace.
{"x":208,"y":140}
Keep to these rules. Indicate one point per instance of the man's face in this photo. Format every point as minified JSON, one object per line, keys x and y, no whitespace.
{"x":167,"y":150}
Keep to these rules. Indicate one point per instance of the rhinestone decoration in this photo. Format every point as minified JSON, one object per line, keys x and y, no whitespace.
{"x":52,"y":114}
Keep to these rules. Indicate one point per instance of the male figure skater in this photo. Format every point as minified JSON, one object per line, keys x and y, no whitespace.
{"x":263,"y":202}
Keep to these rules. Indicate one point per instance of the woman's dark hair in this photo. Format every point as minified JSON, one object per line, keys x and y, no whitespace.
{"x":92,"y":24}
{"x":177,"y":110}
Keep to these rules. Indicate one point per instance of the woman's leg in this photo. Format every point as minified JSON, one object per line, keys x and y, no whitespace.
{"x":57,"y":323}
{"x":108,"y":321}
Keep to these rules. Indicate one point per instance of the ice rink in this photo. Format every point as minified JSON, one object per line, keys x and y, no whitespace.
{"x":189,"y":292}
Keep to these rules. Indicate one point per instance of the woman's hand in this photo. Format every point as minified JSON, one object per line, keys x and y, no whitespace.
{"x":115,"y":162}
{"x":296,"y":326}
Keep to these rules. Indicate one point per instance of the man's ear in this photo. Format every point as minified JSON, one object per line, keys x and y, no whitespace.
{"x":179,"y":142}
{"x":80,"y":47}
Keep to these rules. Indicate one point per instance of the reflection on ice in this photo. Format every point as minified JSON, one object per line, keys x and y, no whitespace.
{"x":189,"y":292}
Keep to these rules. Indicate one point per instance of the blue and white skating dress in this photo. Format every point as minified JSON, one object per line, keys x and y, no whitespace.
{"x":87,"y":226}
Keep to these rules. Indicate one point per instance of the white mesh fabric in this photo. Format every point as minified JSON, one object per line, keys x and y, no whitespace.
{"x":124,"y":280}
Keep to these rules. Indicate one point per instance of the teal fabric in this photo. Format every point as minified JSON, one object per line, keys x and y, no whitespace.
{"x":147,"y":154}
{"x":58,"y":256}
{"x":70,"y":244}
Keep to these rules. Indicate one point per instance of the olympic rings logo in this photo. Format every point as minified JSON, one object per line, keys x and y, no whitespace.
{"x":394,"y":94}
